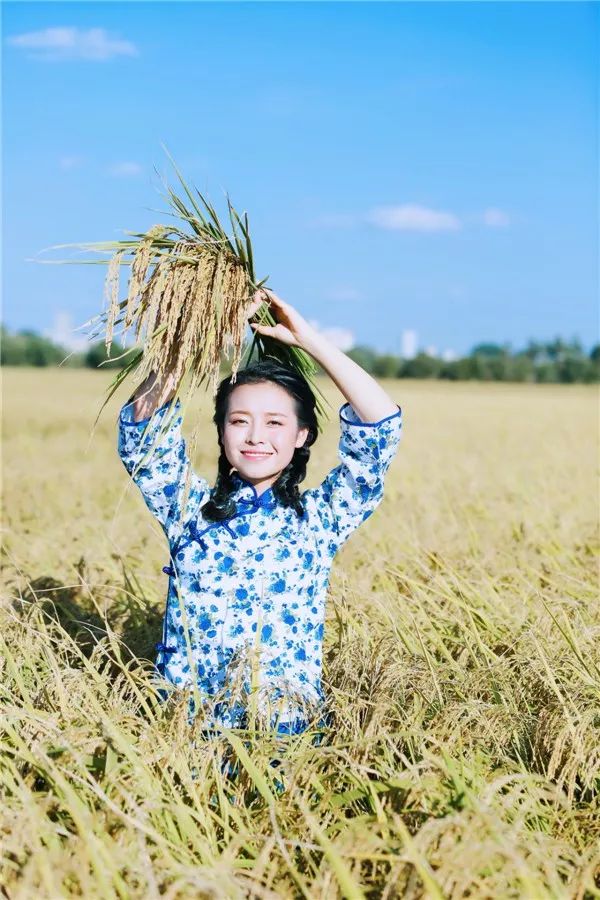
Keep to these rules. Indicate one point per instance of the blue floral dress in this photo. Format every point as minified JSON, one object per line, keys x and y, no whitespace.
{"x":246,"y":601}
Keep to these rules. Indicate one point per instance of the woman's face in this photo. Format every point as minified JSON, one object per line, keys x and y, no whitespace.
{"x":261,"y":432}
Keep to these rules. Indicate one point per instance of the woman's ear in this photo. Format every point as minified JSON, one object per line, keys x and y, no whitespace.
{"x":302,"y":436}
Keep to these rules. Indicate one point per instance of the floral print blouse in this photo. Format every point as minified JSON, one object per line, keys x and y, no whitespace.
{"x":246,"y":600}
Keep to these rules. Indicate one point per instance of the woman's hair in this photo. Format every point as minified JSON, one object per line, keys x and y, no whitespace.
{"x":285,"y":489}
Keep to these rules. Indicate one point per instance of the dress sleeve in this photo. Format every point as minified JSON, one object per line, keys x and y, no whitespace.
{"x":352,"y":491}
{"x":162,"y":473}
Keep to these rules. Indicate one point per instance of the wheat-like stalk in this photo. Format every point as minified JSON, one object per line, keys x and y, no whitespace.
{"x":189,"y":290}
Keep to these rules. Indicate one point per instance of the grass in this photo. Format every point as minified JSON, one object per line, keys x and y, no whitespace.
{"x":461,"y":658}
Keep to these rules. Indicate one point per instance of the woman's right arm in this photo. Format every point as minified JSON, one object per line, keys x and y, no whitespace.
{"x":154,"y":453}
{"x":152,"y":393}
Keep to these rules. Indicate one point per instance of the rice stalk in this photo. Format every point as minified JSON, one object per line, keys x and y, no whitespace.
{"x":189,"y":289}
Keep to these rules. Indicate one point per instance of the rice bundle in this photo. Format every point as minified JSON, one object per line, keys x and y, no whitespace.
{"x":186,"y":305}
{"x":188,"y":299}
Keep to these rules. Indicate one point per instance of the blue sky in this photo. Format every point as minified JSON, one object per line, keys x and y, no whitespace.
{"x":429,"y":168}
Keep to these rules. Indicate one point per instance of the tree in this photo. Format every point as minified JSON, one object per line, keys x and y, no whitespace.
{"x":573,"y":369}
{"x":556,"y":349}
{"x":26,"y":348}
{"x":487,"y":349}
{"x":421,"y":366}
{"x":364,"y":356}
{"x":535,"y":351}
{"x":386,"y":366}
{"x":96,"y":357}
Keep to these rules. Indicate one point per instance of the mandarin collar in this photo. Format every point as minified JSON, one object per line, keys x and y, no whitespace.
{"x":245,"y":493}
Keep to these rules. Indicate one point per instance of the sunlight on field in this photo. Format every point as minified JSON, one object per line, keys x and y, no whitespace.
{"x":461,"y":659}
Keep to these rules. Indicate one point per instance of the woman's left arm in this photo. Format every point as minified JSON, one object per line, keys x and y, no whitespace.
{"x":359,"y":388}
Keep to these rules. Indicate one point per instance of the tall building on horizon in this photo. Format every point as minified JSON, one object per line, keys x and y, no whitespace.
{"x":408,"y":344}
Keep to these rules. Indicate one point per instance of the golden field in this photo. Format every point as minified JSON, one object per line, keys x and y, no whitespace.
{"x":461,"y":658}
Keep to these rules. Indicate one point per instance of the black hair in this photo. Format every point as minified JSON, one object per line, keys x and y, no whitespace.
{"x":285,"y":490}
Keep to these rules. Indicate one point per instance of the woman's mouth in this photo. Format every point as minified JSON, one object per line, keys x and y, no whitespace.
{"x":250,"y":454}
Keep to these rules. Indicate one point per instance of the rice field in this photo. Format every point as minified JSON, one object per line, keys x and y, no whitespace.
{"x":461,"y":661}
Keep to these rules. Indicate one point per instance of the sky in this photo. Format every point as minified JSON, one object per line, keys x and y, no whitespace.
{"x":419,"y":175}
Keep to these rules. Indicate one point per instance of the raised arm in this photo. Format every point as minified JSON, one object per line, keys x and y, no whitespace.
{"x":154,"y":452}
{"x":152,"y":393}
{"x":155,"y":457}
{"x":370,"y":431}
{"x":360,"y":389}
{"x":363,"y":393}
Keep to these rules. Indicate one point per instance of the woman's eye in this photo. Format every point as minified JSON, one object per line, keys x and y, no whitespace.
{"x":243,"y":421}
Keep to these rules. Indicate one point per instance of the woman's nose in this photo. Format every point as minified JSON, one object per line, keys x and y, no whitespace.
{"x":255,"y":435}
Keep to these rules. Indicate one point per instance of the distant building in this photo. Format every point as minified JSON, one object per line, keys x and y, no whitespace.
{"x":63,"y":333}
{"x":408,"y":344}
{"x":340,"y":337}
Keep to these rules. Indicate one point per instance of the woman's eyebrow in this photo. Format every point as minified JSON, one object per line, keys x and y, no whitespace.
{"x":246,"y":413}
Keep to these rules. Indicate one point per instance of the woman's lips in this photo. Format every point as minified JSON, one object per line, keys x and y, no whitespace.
{"x":252,"y":455}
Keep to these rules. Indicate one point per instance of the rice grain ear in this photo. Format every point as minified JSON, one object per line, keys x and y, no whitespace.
{"x":111,"y":288}
{"x":188,"y":296}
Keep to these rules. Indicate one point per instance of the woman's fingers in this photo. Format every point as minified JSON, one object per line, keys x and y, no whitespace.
{"x":253,"y":308}
{"x":265,"y":330}
{"x":266,"y":295}
{"x":279,"y":332}
{"x":276,"y":300}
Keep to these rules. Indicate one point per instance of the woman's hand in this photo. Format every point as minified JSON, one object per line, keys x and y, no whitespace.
{"x":291,"y":328}
{"x":360,"y":389}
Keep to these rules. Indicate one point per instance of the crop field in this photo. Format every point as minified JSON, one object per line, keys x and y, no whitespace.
{"x":461,"y":662}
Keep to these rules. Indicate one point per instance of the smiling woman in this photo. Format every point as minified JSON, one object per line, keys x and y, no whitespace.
{"x":260,"y":440}
{"x":250,"y":558}
{"x":266,"y":421}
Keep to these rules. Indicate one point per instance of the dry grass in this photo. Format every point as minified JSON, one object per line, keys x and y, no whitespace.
{"x":461,"y":658}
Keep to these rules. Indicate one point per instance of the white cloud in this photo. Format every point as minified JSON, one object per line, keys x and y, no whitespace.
{"x":340,"y":337}
{"x":431,"y":350}
{"x":63,"y":333}
{"x":408,"y":344}
{"x":65,"y":43}
{"x":449,"y":356}
{"x":496,"y":218}
{"x":124,"y":169}
{"x":411,"y":217}
{"x":70,"y":162}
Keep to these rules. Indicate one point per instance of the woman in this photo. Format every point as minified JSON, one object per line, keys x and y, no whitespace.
{"x":251,"y":557}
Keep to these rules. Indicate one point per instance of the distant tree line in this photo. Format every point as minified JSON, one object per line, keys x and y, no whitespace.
{"x":552,"y":362}
{"x":27,"y":348}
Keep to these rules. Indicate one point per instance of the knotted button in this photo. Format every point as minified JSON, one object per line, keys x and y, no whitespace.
{"x":196,"y":536}
{"x":162,"y":648}
{"x":254,"y":502}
